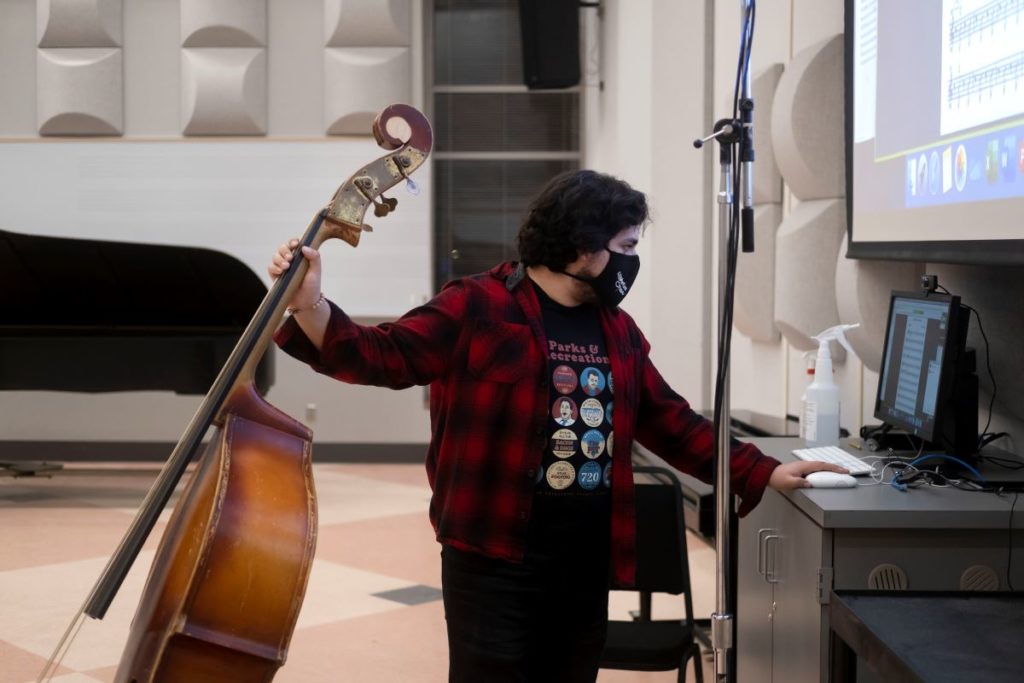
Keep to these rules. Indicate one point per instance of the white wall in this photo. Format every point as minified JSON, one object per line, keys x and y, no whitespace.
{"x":659,"y":94}
{"x":153,"y":186}
{"x":771,"y":377}
{"x":759,"y":370}
{"x":639,"y":128}
{"x":618,"y":135}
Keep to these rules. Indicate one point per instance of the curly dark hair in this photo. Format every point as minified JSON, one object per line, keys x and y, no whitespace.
{"x":577,"y":212}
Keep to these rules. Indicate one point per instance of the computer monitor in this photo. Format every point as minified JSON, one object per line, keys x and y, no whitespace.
{"x":928,"y":385}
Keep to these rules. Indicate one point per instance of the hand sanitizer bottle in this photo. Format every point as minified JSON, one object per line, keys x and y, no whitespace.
{"x":820,"y":416}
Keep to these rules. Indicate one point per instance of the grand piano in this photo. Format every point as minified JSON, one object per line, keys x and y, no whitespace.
{"x":95,"y":316}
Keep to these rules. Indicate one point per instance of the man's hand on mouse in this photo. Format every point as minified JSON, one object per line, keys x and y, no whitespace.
{"x":790,"y":475}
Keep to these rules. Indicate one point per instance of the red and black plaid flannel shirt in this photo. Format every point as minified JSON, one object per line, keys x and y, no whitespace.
{"x":479,"y":344}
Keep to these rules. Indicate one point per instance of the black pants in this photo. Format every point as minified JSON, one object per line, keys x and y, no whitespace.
{"x":543,"y":620}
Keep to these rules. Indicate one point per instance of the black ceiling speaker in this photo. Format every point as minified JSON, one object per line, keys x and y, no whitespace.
{"x":551,"y":43}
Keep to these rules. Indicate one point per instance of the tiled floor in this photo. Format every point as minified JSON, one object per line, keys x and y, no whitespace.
{"x":372,"y":610}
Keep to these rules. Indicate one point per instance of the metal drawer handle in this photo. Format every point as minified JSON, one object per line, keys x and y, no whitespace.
{"x":769,"y":574}
{"x":760,"y":549}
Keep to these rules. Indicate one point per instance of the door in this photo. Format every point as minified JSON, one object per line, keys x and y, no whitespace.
{"x":800,"y":624}
{"x":754,"y":597}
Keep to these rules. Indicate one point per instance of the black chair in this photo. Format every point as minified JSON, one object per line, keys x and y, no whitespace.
{"x":662,"y":566}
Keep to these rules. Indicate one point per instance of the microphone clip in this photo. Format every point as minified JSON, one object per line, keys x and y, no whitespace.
{"x":726,"y":131}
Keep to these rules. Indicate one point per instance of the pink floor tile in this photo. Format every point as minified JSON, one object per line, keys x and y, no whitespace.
{"x":83,"y":513}
{"x":403,"y":645}
{"x":107,"y":674}
{"x":19,"y":666}
{"x":402,"y":546}
{"x":412,"y":474}
{"x":44,"y":535}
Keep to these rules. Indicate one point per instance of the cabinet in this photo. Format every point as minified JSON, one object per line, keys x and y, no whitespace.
{"x":795,"y":548}
{"x":784,"y":562}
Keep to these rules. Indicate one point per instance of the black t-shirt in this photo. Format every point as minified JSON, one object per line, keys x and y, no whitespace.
{"x":571,"y":507}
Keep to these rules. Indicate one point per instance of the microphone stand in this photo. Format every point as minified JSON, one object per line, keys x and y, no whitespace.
{"x":735,"y":139}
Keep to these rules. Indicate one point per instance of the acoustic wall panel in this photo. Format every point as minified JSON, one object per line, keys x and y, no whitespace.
{"x":807,"y":122}
{"x":862,"y":296}
{"x":359,"y":82}
{"x":224,"y":23}
{"x":79,"y":91}
{"x":754,"y":300}
{"x":806,"y":249}
{"x":153,"y":81}
{"x":367,"y":23}
{"x":767,"y":179}
{"x":224,"y":91}
{"x":78,"y":23}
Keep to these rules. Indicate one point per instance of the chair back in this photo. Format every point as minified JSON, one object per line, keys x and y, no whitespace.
{"x":662,"y":563}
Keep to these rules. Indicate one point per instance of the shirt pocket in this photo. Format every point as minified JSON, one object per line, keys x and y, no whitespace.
{"x":500,"y":351}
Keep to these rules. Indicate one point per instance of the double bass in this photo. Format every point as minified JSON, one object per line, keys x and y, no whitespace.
{"x":229,"y":575}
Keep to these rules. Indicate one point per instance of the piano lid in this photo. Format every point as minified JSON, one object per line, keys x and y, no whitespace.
{"x":88,"y":315}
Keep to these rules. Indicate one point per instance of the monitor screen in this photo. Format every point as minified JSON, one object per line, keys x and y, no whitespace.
{"x":919,"y":350}
{"x":935,"y":130}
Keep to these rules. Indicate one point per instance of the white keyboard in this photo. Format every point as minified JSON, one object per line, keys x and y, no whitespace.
{"x":836,"y":456}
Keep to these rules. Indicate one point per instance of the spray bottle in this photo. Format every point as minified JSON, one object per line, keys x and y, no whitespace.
{"x":820,"y":423}
{"x":808,"y":357}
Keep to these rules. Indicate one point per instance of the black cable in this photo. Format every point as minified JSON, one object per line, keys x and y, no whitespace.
{"x":988,"y":366}
{"x":730,"y":156}
{"x":746,"y":42}
{"x":1005,"y":463}
{"x":922,"y":478}
{"x":1009,"y":552}
{"x":722,"y":330}
{"x":989,"y":438}
{"x":732,"y":240}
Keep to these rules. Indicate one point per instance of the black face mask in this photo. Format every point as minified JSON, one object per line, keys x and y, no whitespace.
{"x":613,"y":283}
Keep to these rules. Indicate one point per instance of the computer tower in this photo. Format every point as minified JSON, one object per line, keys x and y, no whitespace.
{"x":957,"y":431}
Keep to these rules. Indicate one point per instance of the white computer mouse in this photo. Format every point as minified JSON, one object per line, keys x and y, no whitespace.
{"x":830,"y":480}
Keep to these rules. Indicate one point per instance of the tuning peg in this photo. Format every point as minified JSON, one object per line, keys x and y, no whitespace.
{"x":410,"y":184}
{"x":384,"y":207}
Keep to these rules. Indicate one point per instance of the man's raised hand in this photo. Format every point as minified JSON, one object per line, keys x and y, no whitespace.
{"x":309,"y":292}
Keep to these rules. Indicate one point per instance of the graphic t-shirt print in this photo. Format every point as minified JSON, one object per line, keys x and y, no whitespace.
{"x":577,"y":460}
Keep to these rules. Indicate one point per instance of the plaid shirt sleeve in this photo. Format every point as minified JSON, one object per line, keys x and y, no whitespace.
{"x":475,"y":346}
{"x":669,"y":427}
{"x":414,"y":350}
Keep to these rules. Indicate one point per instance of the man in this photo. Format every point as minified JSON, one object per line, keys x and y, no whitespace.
{"x":530,"y":513}
{"x":565,"y":410}
{"x":593,"y":386}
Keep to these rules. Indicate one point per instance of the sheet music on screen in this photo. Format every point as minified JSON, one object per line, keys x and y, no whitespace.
{"x":938,"y":120}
